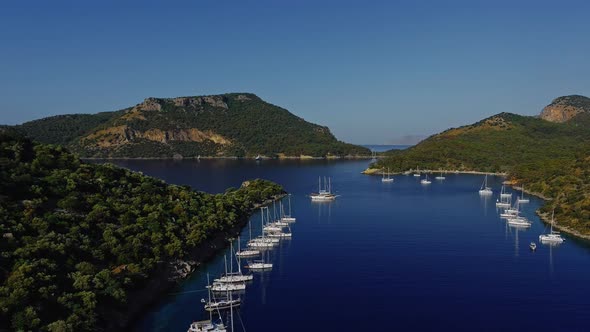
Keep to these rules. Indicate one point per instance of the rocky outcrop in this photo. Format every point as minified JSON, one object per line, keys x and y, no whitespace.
{"x":565,"y":108}
{"x":120,"y":135}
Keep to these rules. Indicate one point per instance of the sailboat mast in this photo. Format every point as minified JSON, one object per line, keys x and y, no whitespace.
{"x":209,"y":291}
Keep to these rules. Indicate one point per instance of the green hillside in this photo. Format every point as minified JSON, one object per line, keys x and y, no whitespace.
{"x":550,"y":158}
{"x":220,"y":125}
{"x":78,"y":240}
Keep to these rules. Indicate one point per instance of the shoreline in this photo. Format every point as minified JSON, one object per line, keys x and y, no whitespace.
{"x":378,"y":171}
{"x":348,"y":157}
{"x":174,"y":272}
{"x":545,"y":218}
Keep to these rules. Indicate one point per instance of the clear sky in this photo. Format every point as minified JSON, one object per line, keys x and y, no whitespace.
{"x":374,"y":72}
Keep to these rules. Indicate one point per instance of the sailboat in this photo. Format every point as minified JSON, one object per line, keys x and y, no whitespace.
{"x":225,"y":286}
{"x":417,"y":174}
{"x":505,"y":199}
{"x":485,"y":190}
{"x":263,"y":242}
{"x":233,"y":277}
{"x":324,"y":194}
{"x":440,"y":177}
{"x":425,"y":180}
{"x":219,"y":304}
{"x":522,"y":199}
{"x":553,"y":237}
{"x":288,"y":218}
{"x":247,"y":252}
{"x":259,"y":265}
{"x":519,"y":221}
{"x":208,"y":325}
{"x":388,"y":178}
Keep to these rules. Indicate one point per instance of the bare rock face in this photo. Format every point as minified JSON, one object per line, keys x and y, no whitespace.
{"x":565,"y":108}
{"x":150,"y":104}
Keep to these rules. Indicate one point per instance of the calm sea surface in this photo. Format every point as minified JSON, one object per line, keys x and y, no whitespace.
{"x":386,"y":257}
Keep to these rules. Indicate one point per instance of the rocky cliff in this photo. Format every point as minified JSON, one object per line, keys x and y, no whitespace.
{"x":565,"y":108}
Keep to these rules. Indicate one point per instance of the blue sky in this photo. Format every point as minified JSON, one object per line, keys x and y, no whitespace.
{"x":374,"y":72}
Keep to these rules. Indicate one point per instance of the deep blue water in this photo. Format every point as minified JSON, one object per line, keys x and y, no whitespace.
{"x":387,"y":257}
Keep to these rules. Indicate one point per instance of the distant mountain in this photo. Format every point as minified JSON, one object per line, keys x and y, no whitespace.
{"x":552,"y":158}
{"x":565,"y":108}
{"x":235,"y":124}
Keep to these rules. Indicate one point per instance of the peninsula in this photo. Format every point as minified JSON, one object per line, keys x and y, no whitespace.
{"x":549,"y":154}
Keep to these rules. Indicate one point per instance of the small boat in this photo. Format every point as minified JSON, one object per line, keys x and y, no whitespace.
{"x":485,"y":190}
{"x":522,"y":199}
{"x":553,"y":237}
{"x":258,"y":157}
{"x":440,"y":177}
{"x":417,"y":173}
{"x":324,"y":194}
{"x":425,"y":180}
{"x":387,"y":179}
{"x":533,"y":246}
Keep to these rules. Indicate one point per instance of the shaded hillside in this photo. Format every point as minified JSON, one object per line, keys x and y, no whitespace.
{"x":78,"y":240}
{"x":219,"y":125}
{"x":551,"y":158}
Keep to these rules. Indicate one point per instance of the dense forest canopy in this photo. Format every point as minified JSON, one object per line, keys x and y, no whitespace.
{"x":235,"y":124}
{"x":552,"y":159}
{"x":77,"y":238}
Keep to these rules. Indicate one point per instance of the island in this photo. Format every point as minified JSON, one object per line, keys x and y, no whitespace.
{"x":215,"y":126}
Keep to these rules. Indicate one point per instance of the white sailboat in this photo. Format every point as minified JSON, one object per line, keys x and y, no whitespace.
{"x":505,"y":199}
{"x":323,"y":194}
{"x":226,"y":285}
{"x":522,"y":199}
{"x":519,"y":221}
{"x":425,"y":180}
{"x":485,"y":190}
{"x":440,"y":177}
{"x":219,"y":304}
{"x":553,"y":237}
{"x":288,"y":218}
{"x":259,"y":265}
{"x":208,"y":325}
{"x":386,"y":179}
{"x":247,"y":252}
{"x":233,"y":277}
{"x":263,"y":242}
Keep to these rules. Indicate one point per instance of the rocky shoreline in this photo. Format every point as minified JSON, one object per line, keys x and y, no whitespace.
{"x":379,"y":171}
{"x":173,"y":272}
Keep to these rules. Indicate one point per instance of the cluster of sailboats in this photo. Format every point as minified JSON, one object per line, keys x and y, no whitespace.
{"x":511,"y":212}
{"x":223,"y":293}
{"x":386,"y":176}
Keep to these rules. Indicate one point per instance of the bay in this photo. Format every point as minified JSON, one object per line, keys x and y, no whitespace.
{"x":386,"y":256}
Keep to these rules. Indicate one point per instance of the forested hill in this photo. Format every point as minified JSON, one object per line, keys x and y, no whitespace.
{"x":550,"y":158}
{"x":77,"y":240}
{"x":236,"y":124}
